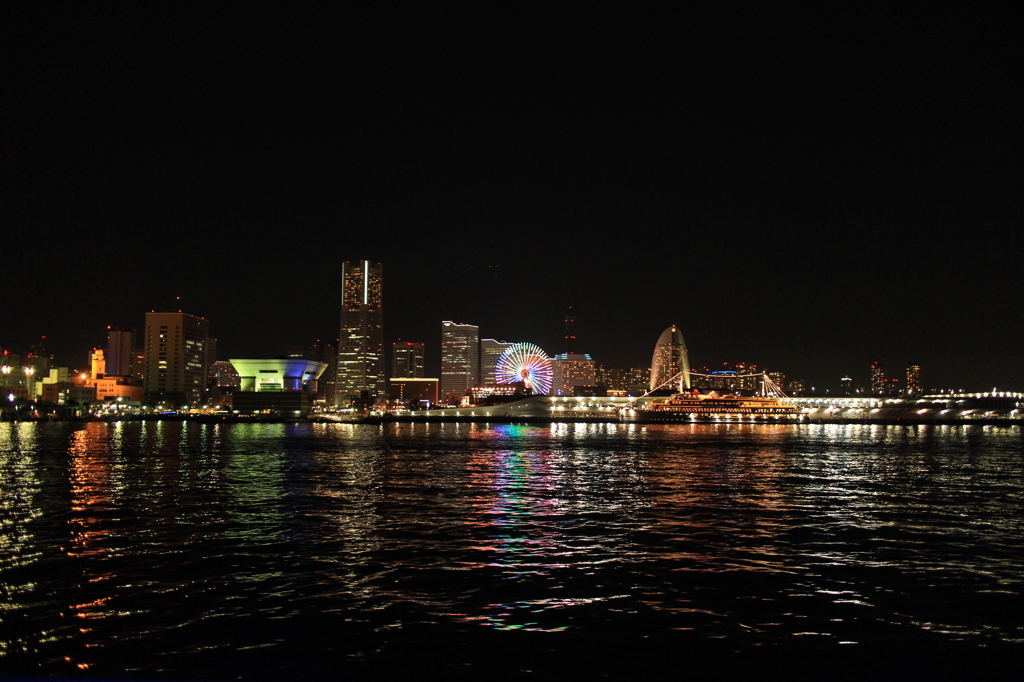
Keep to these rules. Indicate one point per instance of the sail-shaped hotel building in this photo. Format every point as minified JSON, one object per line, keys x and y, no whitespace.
{"x":670,"y":358}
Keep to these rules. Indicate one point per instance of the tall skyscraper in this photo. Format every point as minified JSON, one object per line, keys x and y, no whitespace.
{"x":913,"y":380}
{"x":177,"y":358}
{"x":879,"y":383}
{"x":490,"y":351}
{"x":407,"y":359}
{"x":361,"y":341}
{"x":460,"y":357}
{"x":120,"y":355}
{"x":670,"y":358}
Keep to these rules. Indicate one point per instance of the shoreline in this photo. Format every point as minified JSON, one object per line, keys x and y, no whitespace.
{"x":535,"y":421}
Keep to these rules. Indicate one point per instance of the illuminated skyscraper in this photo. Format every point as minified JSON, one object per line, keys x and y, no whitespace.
{"x":407,"y":359}
{"x":361,"y":341}
{"x":670,"y":358}
{"x":633,"y":381}
{"x":490,"y":351}
{"x":913,"y":380}
{"x":460,"y":357}
{"x":177,"y":358}
{"x":572,"y":370}
{"x":879,"y":385}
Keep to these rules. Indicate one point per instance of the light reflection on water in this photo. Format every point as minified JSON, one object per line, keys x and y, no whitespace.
{"x":172,"y":548}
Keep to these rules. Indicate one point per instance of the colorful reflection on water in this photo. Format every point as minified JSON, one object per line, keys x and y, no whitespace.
{"x":217,"y":551}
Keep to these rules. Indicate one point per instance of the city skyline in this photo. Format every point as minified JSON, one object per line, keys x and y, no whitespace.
{"x":808,"y":192}
{"x":461,"y":349}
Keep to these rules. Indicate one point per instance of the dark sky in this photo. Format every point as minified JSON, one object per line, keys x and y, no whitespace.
{"x":810,"y":191}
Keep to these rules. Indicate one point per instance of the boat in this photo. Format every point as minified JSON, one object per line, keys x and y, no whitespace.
{"x":690,"y":406}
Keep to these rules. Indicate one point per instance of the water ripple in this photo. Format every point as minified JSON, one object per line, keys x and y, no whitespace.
{"x":255,"y":550}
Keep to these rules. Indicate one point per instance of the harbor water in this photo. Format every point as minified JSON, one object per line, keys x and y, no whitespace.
{"x":173,"y":550}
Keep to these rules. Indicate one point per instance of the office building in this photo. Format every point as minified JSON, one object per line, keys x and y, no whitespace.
{"x":572,"y":370}
{"x":913,"y":386}
{"x":490,"y":351}
{"x":415,"y":393}
{"x":460,"y":358}
{"x":879,"y":379}
{"x":361,"y":341}
{"x":224,"y":375}
{"x":176,"y":358}
{"x":123,"y":389}
{"x":739,"y":377}
{"x":407,"y":359}
{"x":120,"y":355}
{"x":671,"y":361}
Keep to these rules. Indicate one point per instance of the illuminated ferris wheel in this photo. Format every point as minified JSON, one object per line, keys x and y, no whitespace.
{"x":526,"y":363}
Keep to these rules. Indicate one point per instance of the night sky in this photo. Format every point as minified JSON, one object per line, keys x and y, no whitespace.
{"x":810,"y":191}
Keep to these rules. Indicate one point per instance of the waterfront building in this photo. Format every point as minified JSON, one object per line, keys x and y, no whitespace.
{"x":113,"y":388}
{"x":570,"y":370}
{"x":325,"y":353}
{"x":612,"y":379}
{"x":745,"y":378}
{"x":739,"y":377}
{"x":879,"y":384}
{"x":622,"y":382}
{"x":490,"y":351}
{"x":140,"y":363}
{"x":285,"y":386}
{"x":846,"y":386}
{"x":413,"y":391}
{"x":360,"y":372}
{"x":670,"y":358}
{"x":224,"y":375}
{"x":176,"y":358}
{"x":407,"y":359}
{"x":639,"y":380}
{"x":10,"y":370}
{"x":460,"y":358}
{"x":779,"y":379}
{"x":913,"y":386}
{"x":120,"y":354}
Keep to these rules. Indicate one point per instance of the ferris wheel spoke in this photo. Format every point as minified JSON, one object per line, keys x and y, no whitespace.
{"x":525,"y":363}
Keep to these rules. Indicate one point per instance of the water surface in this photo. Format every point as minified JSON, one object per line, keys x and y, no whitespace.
{"x":580,"y":551}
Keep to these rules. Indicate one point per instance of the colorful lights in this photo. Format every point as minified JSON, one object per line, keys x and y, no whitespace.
{"x":526,"y":363}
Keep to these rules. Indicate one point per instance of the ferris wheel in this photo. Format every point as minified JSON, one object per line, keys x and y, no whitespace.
{"x":526,"y":363}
